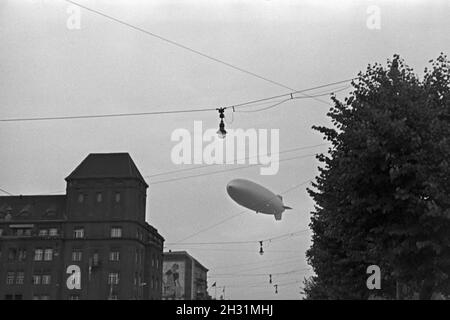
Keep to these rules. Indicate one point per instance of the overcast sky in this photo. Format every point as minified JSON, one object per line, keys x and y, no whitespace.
{"x":47,"y":69}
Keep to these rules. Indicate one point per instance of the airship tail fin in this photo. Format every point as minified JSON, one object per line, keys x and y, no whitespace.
{"x":281,"y":198}
{"x":278,"y":216}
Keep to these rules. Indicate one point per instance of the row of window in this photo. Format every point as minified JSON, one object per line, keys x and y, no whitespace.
{"x":20,"y":254}
{"x":82,"y":197}
{"x":116,"y":232}
{"x":47,"y":254}
{"x":20,"y":232}
{"x":19,"y":277}
{"x":77,"y":255}
{"x":78,"y":233}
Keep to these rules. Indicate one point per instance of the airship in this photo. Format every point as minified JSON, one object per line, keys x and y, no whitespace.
{"x":255,"y":197}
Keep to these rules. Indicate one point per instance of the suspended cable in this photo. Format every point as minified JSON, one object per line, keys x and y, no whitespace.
{"x":180,"y":45}
{"x":220,"y":275}
{"x":257,"y":263}
{"x":245,"y":104}
{"x":235,"y":160}
{"x":279,"y":84}
{"x":290,"y":234}
{"x":283,"y":263}
{"x":257,"y":284}
{"x":239,"y":105}
{"x":228,"y":170}
{"x":286,"y":100}
{"x":6,"y":192}
{"x":236,"y":215}
{"x":229,"y":250}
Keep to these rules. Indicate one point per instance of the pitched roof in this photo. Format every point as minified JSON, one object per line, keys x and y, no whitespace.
{"x":32,"y":207}
{"x":107,"y":165}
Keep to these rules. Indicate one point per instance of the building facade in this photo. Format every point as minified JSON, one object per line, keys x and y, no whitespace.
{"x":91,"y":243}
{"x":184,"y":278}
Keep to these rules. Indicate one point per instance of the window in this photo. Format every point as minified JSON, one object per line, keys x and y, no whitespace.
{"x":117,"y":197}
{"x":113,"y":278}
{"x":77,"y":255}
{"x":48,"y":255}
{"x":46,"y":279}
{"x":12,"y":253}
{"x":38,"y":254}
{"x":43,"y":233}
{"x":22,"y":232}
{"x":95,"y":259}
{"x":78,"y":233}
{"x":99,"y":197}
{"x":22,"y":254}
{"x":20,"y":277}
{"x":114,"y":256}
{"x":116,"y":232}
{"x":36,"y":279}
{"x":80,"y":198}
{"x":10,"y":277}
{"x":53,"y":232}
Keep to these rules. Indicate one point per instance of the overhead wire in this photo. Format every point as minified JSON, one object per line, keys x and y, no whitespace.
{"x":6,"y":192}
{"x":287,"y":100}
{"x":182,"y":46}
{"x":168,"y":112}
{"x":289,"y":234}
{"x":179,"y":45}
{"x":283,"y":263}
{"x":229,"y":169}
{"x":235,"y":160}
{"x":236,"y":215}
{"x":212,"y":275}
{"x":256,"y":263}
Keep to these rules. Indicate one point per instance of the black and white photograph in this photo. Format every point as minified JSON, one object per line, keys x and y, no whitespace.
{"x":234,"y":152}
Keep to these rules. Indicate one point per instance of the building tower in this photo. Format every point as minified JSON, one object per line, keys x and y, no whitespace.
{"x":99,"y":233}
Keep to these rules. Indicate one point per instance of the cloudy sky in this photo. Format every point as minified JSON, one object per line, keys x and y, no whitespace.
{"x":48,"y":69}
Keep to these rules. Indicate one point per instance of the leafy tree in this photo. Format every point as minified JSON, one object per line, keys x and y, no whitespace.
{"x":382,"y":195}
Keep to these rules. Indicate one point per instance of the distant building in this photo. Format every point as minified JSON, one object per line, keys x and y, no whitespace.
{"x":91,"y":243}
{"x":184,"y":278}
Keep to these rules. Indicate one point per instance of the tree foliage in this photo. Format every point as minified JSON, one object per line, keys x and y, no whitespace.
{"x":382,"y":195}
